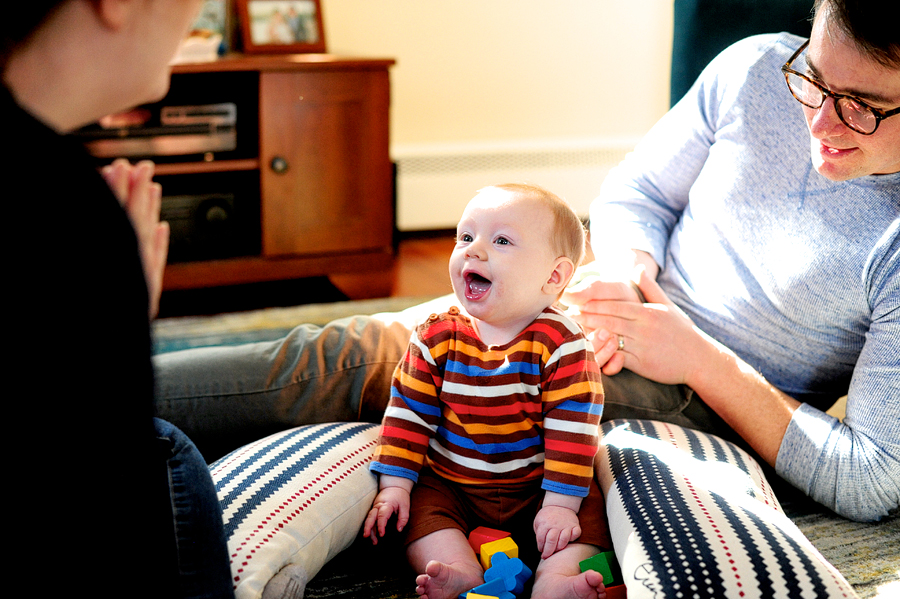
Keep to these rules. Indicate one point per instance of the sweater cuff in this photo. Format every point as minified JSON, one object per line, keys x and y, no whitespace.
{"x":564,"y":489}
{"x":800,"y":455}
{"x":622,"y":228}
{"x":380,"y":468}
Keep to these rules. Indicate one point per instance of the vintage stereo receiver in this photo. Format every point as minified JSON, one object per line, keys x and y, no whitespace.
{"x":203,"y":117}
{"x":212,"y":213}
{"x":176,"y":131}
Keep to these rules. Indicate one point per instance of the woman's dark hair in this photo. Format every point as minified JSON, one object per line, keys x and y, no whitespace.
{"x":20,"y":20}
{"x":869,"y":24}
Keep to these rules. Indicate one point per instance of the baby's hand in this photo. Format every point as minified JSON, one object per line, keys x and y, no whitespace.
{"x":554,"y":528}
{"x":390,"y":500}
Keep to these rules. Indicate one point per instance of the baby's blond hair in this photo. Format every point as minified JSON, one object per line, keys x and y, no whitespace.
{"x":568,"y":237}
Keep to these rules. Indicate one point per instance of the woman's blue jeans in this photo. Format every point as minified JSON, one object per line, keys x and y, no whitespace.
{"x":199,"y":557}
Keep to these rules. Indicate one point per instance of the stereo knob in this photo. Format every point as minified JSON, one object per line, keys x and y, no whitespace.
{"x":216,"y":213}
{"x":279,"y":165}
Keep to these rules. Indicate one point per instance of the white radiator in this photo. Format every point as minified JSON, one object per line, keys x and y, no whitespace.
{"x":435,"y":182}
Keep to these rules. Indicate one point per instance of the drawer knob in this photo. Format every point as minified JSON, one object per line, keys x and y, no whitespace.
{"x":279,"y":165}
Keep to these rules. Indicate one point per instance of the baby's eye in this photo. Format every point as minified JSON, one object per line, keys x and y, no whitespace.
{"x":502,"y":241}
{"x":463,"y":238}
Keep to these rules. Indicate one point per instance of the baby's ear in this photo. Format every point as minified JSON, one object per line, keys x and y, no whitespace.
{"x":562,"y":272}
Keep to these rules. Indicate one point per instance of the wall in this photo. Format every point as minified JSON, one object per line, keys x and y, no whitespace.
{"x":551,"y":92}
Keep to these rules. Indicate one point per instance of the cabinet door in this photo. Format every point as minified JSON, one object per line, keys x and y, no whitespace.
{"x":327,"y":184}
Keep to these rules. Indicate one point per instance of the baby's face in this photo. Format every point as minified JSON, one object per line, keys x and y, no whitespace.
{"x":503,"y":258}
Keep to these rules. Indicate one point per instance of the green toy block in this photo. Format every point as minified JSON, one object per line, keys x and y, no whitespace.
{"x":607,"y":565}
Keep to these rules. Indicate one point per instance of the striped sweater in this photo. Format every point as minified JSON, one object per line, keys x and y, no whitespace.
{"x":499,"y":415}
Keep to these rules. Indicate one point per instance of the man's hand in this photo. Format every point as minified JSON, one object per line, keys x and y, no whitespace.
{"x":590,"y":296}
{"x":661,"y":342}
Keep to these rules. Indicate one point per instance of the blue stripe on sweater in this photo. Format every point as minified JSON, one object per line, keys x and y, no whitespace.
{"x":584,"y":407}
{"x":416,"y":406}
{"x":488,"y":448}
{"x":505,"y":368}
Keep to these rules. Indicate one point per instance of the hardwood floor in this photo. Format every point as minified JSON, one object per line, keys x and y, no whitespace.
{"x":420,"y":269}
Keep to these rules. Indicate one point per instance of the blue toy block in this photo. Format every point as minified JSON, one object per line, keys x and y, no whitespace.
{"x":511,"y":570}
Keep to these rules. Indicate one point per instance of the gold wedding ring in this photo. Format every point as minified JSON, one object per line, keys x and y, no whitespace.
{"x":621,"y":343}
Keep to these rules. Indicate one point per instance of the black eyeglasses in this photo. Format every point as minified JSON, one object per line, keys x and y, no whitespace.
{"x":852,"y":111}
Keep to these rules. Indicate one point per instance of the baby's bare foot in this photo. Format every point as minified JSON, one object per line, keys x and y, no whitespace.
{"x":446,"y":581}
{"x":587,"y":585}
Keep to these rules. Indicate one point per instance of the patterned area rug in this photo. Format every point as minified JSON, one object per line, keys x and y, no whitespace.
{"x":868,"y":555}
{"x":172,"y":334}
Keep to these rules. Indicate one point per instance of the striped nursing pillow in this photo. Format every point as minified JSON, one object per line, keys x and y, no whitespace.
{"x":292,"y":501}
{"x":693,"y":516}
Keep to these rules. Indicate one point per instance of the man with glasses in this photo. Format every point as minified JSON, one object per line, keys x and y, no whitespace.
{"x":767,"y":235}
{"x":853,"y":111}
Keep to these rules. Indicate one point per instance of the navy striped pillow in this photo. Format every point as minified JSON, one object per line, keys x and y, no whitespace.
{"x":296,"y":498}
{"x":693,"y":516}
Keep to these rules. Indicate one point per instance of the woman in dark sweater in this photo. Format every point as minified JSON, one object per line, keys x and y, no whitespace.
{"x":102,"y":496}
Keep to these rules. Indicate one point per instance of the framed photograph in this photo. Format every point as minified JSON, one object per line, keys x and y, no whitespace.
{"x":211,"y":34}
{"x":213,"y":17}
{"x":281,"y":26}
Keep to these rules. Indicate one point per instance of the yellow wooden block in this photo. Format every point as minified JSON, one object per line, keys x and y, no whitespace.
{"x":479,"y":596}
{"x":506,"y":545}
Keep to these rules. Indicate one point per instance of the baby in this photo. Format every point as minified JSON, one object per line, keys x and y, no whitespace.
{"x":493,"y":418}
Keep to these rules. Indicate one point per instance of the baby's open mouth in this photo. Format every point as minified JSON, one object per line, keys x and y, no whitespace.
{"x":476,"y":285}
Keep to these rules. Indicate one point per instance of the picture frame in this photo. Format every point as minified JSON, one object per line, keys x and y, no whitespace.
{"x":212,"y":34}
{"x":218,"y":16}
{"x":281,"y":26}
{"x":214,"y":16}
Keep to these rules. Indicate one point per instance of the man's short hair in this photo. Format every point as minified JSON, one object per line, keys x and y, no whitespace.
{"x":869,"y":24}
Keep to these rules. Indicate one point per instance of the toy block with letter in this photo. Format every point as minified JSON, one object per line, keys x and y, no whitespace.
{"x":482,"y":535}
{"x":505,"y":545}
{"x":492,"y":588}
